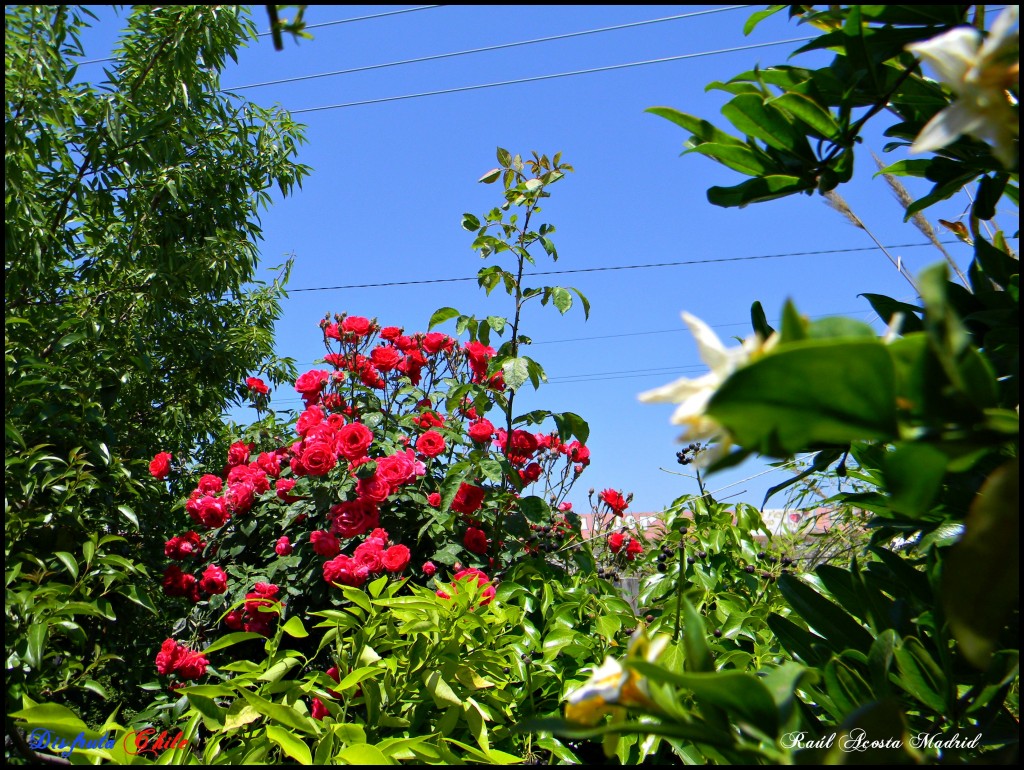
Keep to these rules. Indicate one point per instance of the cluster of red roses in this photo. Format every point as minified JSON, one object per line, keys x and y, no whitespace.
{"x":175,"y":658}
{"x":371,"y":557}
{"x":330,"y":437}
{"x":617,"y":540}
{"x":259,"y":613}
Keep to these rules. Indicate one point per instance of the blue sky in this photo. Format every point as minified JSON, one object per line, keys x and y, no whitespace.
{"x":391,"y":181}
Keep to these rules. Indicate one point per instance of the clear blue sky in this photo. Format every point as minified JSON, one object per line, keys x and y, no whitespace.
{"x":391,"y":181}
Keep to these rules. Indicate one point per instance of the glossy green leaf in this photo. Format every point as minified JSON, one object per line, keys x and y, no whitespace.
{"x":290,"y":744}
{"x":981,"y":575}
{"x":830,"y":620}
{"x":810,"y":393}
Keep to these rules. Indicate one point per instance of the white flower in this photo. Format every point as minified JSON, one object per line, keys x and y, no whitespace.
{"x":979,"y":74}
{"x":693,"y":395}
{"x":612,"y":687}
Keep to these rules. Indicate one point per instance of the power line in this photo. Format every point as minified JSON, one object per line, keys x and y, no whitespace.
{"x":610,"y":268}
{"x":310,"y":26}
{"x":551,"y":77}
{"x":483,"y":49}
{"x":362,"y":18}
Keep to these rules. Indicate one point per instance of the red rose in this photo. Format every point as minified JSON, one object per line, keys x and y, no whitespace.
{"x":191,"y":665}
{"x":475,"y":541}
{"x":215,"y":580}
{"x":240,"y":497}
{"x":429,"y":568}
{"x":345,"y":570}
{"x":530,"y":473}
{"x":468,"y":499}
{"x":396,"y":469}
{"x":353,"y":440}
{"x":434,"y":499}
{"x":634,"y":549}
{"x":353,"y":518}
{"x":578,"y":453}
{"x":435,"y":342}
{"x":390,"y":333}
{"x":234,"y":620}
{"x":238,"y":453}
{"x":213,"y":512}
{"x":313,"y":415}
{"x":324,"y":543}
{"x":565,"y":507}
{"x":614,"y":500}
{"x":396,"y":558}
{"x":319,"y":710}
{"x":283,"y":487}
{"x":385,"y":357}
{"x":379,"y":534}
{"x":256,"y":385}
{"x":178,"y":583}
{"x":182,"y":546}
{"x":615,"y":541}
{"x":430,"y":444}
{"x":481,"y":431}
{"x":210,"y":484}
{"x":478,"y":355}
{"x":373,"y":488}
{"x":371,"y":555}
{"x":283,"y":546}
{"x":311,"y":383}
{"x":160,"y":466}
{"x":356,"y":325}
{"x":318,"y":458}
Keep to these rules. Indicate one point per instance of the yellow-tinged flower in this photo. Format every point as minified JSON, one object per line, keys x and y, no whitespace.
{"x":980,"y":74}
{"x":693,"y":395}
{"x":611,"y":687}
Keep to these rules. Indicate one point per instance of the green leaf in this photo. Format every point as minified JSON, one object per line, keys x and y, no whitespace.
{"x":440,"y":691}
{"x":981,"y":574}
{"x":698,"y":654}
{"x":758,"y":190}
{"x":516,"y":371}
{"x":295,"y":628}
{"x":213,"y":715}
{"x":69,"y":563}
{"x":561,"y":299}
{"x":569,"y":425}
{"x":759,"y":322}
{"x":283,"y":715}
{"x":441,"y":315}
{"x":229,"y":639}
{"x":921,"y":676}
{"x":363,"y":754}
{"x":700,"y":128}
{"x":913,"y":477}
{"x":886,"y":307}
{"x":755,"y":117}
{"x":355,"y":677}
{"x":59,"y":719}
{"x":739,"y":694}
{"x":36,"y":638}
{"x":809,"y":393}
{"x":809,"y":112}
{"x":830,"y":620}
{"x":759,"y":16}
{"x":739,"y":158}
{"x":129,"y":514}
{"x":290,"y":744}
{"x":491,"y":176}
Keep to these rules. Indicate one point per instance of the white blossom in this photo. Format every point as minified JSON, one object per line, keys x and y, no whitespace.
{"x":980,"y":74}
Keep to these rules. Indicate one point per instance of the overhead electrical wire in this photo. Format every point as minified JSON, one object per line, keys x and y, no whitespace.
{"x":610,"y":268}
{"x":484,"y":49}
{"x":538,"y":78}
{"x":310,"y":26}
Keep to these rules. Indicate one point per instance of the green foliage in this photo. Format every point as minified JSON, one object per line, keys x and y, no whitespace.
{"x":898,"y":649}
{"x":132,"y":313}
